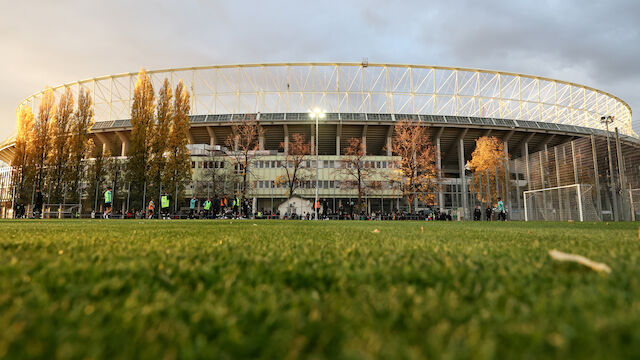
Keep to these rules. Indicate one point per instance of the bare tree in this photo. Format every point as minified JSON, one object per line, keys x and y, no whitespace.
{"x":356,"y":169}
{"x":294,"y":174}
{"x":243,"y":144}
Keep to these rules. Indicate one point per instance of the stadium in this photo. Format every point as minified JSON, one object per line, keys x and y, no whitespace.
{"x":554,"y":132}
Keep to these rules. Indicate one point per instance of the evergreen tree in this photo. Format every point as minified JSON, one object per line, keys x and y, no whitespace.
{"x":178,"y":167}
{"x":142,"y":114}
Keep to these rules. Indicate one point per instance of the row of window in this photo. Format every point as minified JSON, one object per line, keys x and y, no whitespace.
{"x":322,"y":184}
{"x":267,"y":164}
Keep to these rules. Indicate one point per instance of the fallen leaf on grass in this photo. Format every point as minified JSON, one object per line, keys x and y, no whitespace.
{"x":596,"y":266}
{"x":422,"y":228}
{"x":375,"y":231}
{"x":255,"y":224}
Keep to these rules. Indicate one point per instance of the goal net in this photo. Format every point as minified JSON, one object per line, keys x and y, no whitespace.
{"x":561,"y":203}
{"x":634,"y":202}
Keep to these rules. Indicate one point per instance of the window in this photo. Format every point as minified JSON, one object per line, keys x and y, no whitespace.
{"x":332,"y":184}
{"x":332,"y":164}
{"x":193,"y":164}
{"x":384,"y":164}
{"x":325,"y":164}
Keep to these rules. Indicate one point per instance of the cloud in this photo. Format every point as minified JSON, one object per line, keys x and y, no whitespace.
{"x":592,"y":43}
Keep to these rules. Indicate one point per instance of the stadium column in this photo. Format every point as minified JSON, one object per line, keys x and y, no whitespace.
{"x":438,"y":163}
{"x":338,"y":136}
{"x":286,"y":139}
{"x":560,"y":202}
{"x":525,"y":152}
{"x":463,"y":176}
{"x":125,"y":143}
{"x":621,"y":179}
{"x":364,"y":138}
{"x":390,"y":139}
{"x":106,"y":144}
{"x":212,"y":135}
{"x":507,"y":194}
{"x":596,"y":175}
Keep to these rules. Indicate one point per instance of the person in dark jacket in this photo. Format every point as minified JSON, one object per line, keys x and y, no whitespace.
{"x":37,"y":208}
{"x":488,"y":212}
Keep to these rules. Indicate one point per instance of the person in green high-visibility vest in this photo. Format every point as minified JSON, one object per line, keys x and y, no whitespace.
{"x":107,"y":203}
{"x":164,"y":205}
{"x":207,"y":208}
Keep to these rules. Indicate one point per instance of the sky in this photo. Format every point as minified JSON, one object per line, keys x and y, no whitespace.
{"x":594,"y":43}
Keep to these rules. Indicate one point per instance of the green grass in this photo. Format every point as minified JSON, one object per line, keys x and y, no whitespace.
{"x":219,"y":289}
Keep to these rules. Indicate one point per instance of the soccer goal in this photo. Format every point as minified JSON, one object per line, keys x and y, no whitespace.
{"x":560,"y":203}
{"x":634,"y":202}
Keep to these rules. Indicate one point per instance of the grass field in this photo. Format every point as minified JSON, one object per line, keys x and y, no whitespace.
{"x":111,"y":289}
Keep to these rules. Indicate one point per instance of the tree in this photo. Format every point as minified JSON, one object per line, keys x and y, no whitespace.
{"x":96,"y":173}
{"x":416,"y":170}
{"x":179,"y":161}
{"x":42,"y":134}
{"x":58,"y":157}
{"x":487,"y":164}
{"x":354,"y":167}
{"x":23,"y":159}
{"x":159,"y":140}
{"x":295,"y":156}
{"x":142,"y":113}
{"x":244,"y":142}
{"x":79,"y":146}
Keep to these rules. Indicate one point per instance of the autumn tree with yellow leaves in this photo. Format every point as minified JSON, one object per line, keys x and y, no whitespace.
{"x":487,"y":164}
{"x":142,"y":123}
{"x":80,"y":145}
{"x":178,"y":168}
{"x":23,"y":159}
{"x":58,"y":157}
{"x":42,"y":132}
{"x":160,"y":141}
{"x":415,"y":170}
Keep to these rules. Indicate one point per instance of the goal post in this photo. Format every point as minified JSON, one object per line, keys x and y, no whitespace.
{"x":560,"y":203}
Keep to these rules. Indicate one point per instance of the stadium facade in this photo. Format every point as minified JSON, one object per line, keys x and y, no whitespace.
{"x":551,"y":129}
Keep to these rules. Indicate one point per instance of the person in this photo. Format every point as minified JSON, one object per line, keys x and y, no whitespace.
{"x":151,"y":209}
{"x":37,"y":209}
{"x":500,"y":209}
{"x":488,"y":212}
{"x":192,"y":207}
{"x":107,"y":203}
{"x":207,"y":208}
{"x":216,"y":203}
{"x":235,"y":204}
{"x":477,"y":214}
{"x":164,"y":205}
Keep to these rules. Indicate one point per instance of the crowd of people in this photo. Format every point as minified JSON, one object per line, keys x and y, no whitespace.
{"x":239,"y":207}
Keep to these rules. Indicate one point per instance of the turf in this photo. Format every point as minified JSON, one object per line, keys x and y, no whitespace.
{"x":110,"y":289}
